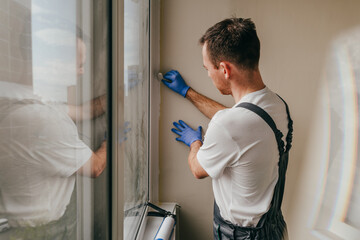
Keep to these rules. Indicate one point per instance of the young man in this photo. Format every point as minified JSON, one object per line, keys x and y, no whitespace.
{"x":239,"y":151}
{"x":40,"y":154}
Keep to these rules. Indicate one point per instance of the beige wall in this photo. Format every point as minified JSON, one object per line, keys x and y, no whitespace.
{"x":295,"y":38}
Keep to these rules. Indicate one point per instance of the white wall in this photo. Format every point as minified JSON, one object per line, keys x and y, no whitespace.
{"x":295,"y":39}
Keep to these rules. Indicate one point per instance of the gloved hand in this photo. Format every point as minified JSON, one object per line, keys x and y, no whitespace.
{"x":186,"y":133}
{"x":175,"y":82}
{"x":122,"y":133}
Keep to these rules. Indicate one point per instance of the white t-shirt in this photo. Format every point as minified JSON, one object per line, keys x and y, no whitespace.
{"x":40,"y":151}
{"x":240,"y":154}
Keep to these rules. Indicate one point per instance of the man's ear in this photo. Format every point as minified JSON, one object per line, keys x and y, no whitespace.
{"x":226,"y":69}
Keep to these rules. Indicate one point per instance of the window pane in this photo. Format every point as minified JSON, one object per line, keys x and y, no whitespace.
{"x":136,"y":82}
{"x":53,"y":86}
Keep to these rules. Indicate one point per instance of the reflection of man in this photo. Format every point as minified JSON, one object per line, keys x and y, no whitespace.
{"x":240,"y":152}
{"x":40,"y":154}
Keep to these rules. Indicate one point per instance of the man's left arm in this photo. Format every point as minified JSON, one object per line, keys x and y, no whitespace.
{"x":88,"y":110}
{"x":195,"y":167}
{"x":193,"y":139}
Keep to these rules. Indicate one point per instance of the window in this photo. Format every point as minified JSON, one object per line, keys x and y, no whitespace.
{"x":53,"y":121}
{"x":74,"y":118}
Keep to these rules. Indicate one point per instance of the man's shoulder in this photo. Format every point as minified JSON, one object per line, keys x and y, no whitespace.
{"x":233,"y":119}
{"x":228,"y":113}
{"x":36,"y":115}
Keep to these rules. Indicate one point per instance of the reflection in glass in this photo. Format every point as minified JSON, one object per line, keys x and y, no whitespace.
{"x":52,"y":121}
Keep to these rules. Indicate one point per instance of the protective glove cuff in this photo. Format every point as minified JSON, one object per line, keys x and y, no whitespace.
{"x":194,"y":141}
{"x":184,"y":91}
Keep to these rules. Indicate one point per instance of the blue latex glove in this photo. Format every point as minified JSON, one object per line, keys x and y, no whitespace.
{"x":186,"y":133}
{"x":175,"y":82}
{"x":122,"y":132}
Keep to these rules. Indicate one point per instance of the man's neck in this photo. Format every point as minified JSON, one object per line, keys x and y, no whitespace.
{"x":246,"y":82}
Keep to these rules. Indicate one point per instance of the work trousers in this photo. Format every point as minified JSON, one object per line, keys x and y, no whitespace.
{"x":269,"y":228}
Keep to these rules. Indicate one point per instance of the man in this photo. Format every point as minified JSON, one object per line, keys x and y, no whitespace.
{"x":40,"y":155}
{"x":239,"y":151}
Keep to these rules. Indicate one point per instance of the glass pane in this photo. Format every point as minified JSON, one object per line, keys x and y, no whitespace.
{"x":53,"y":176}
{"x":136,"y":84}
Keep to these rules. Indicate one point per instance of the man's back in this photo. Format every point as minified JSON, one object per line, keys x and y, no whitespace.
{"x":39,"y":157}
{"x":240,"y":154}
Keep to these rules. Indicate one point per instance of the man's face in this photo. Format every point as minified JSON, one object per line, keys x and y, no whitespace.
{"x":215,"y":73}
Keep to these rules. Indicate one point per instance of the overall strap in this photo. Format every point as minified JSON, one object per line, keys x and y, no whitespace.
{"x":290,"y":127}
{"x":266,"y":117}
{"x":283,"y":152}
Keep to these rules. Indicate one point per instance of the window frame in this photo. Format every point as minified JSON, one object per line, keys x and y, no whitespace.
{"x":117,"y":81}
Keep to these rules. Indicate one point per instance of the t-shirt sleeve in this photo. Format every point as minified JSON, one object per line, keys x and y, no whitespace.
{"x":63,"y":156}
{"x":218,"y":151}
{"x":56,"y":147}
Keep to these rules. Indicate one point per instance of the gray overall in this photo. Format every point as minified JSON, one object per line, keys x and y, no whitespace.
{"x":271,"y":225}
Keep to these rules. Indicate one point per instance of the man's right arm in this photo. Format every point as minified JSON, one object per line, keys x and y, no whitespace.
{"x":207,"y":106}
{"x":96,"y":164}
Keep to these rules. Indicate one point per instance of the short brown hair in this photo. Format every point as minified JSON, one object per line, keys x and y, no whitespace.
{"x":234,"y":40}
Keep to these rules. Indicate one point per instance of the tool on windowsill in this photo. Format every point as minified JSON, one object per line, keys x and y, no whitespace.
{"x":167,"y":226}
